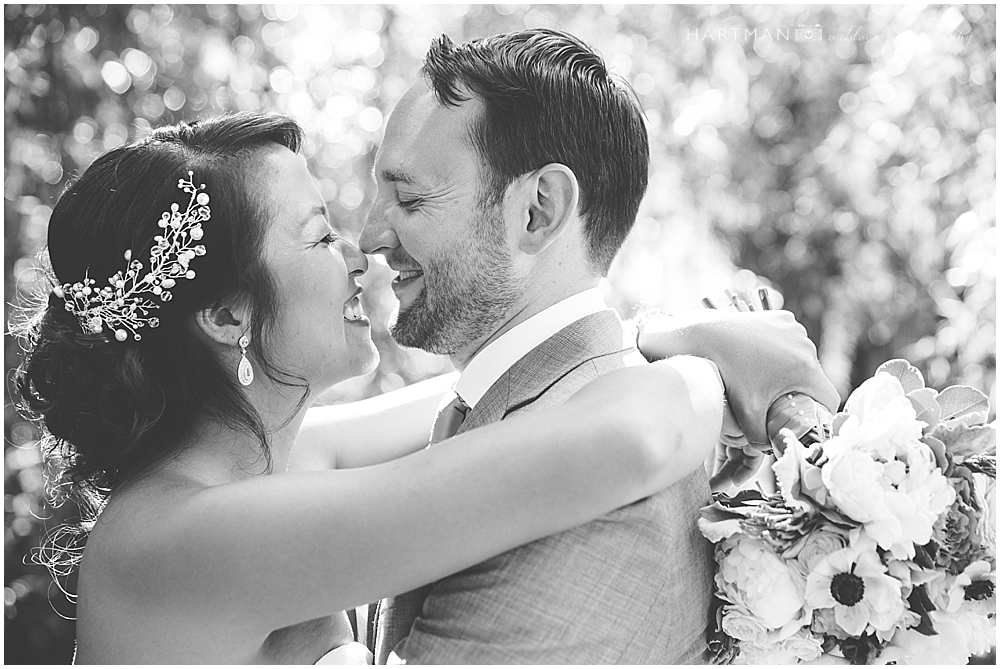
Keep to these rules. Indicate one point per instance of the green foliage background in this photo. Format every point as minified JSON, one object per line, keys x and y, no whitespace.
{"x":854,"y":173}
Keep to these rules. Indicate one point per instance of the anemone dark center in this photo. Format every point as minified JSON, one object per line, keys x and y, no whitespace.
{"x":979,"y":590}
{"x":847,"y":589}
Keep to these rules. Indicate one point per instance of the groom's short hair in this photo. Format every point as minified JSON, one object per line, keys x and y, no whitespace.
{"x":548,"y":98}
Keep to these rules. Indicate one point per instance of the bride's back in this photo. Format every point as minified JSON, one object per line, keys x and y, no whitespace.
{"x":133,"y":611}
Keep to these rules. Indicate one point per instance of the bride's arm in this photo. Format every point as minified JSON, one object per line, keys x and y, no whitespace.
{"x":280,"y":549}
{"x":761,"y":355}
{"x":370,"y":431}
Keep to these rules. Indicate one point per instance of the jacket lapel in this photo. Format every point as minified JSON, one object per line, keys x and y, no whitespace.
{"x":588,"y":338}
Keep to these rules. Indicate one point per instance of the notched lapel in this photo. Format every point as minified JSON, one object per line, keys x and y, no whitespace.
{"x":591,"y":337}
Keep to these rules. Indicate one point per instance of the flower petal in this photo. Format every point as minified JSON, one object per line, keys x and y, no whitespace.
{"x":853,"y":619}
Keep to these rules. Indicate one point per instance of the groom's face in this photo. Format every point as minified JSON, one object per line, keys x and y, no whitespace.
{"x":456,"y":282}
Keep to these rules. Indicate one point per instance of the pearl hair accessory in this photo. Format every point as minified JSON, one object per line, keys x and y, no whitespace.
{"x":125,"y":303}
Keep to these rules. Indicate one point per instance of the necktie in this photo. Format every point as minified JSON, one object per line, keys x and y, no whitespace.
{"x":449,"y":419}
{"x":395,"y":615}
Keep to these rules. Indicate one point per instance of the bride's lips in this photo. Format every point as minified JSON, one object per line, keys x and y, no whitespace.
{"x":353,"y":311}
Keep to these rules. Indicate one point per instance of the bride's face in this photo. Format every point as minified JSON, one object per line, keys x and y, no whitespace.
{"x":322,"y":333}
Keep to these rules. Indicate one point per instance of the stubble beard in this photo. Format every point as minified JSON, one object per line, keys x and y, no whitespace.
{"x":465,"y":296}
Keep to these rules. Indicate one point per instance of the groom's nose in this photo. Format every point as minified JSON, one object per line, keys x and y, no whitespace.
{"x":378,"y":236}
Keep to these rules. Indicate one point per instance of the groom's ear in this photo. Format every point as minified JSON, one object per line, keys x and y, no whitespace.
{"x":224,"y":323}
{"x":553,"y":196}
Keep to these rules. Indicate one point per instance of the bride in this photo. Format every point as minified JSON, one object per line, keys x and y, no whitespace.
{"x":201,"y":302}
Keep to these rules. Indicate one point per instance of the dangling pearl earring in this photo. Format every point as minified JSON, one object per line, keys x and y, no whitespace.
{"x":245,"y":371}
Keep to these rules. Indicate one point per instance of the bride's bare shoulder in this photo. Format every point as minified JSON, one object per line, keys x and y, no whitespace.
{"x":126,"y":599}
{"x":138,"y":603}
{"x":136,"y":520}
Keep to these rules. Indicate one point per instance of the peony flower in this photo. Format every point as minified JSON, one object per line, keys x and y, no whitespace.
{"x":809,"y":551}
{"x":897,"y":502}
{"x":880,"y":417}
{"x":754,"y":578}
{"x":854,"y":583}
{"x":880,"y":474}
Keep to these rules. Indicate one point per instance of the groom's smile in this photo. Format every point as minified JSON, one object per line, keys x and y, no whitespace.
{"x":405,"y":280}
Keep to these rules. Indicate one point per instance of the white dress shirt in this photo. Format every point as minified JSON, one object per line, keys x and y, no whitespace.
{"x":490,"y":363}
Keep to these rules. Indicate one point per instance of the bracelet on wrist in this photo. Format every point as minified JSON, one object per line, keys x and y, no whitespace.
{"x":641,"y":321}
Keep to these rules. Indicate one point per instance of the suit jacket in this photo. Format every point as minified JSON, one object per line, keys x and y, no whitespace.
{"x":631,"y":587}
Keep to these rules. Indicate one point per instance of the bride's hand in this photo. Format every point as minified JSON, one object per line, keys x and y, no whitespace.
{"x":735,"y":459}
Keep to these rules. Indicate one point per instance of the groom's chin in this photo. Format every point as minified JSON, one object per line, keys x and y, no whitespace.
{"x":407,"y":329}
{"x":421,"y":331}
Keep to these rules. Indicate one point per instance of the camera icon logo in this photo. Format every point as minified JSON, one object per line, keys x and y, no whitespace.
{"x":814,"y":34}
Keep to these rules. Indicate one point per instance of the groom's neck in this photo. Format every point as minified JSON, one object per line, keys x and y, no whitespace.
{"x":533,"y":302}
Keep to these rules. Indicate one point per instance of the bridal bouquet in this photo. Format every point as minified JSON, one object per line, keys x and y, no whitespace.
{"x":880,"y":545}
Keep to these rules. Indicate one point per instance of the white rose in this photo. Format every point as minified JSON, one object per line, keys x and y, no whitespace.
{"x":813,"y":547}
{"x":743,"y":625}
{"x":803,"y":646}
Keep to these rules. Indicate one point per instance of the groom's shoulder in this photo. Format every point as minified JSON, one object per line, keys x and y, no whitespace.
{"x":570,"y":359}
{"x":573,"y":379}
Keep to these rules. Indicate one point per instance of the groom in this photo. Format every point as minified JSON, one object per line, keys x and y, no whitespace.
{"x":509,"y":175}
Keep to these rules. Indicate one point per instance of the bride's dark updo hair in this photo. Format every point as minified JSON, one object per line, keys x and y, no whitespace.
{"x":110,"y":410}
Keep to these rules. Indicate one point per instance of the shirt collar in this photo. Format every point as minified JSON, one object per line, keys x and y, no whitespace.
{"x":490,"y":363}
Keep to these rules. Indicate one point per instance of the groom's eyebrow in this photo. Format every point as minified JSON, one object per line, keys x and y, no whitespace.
{"x":396,"y":176}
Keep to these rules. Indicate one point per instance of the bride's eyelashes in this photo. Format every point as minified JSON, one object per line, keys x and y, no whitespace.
{"x":328,"y":239}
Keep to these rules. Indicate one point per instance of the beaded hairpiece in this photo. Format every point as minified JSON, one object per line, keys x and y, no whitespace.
{"x":125,"y":303}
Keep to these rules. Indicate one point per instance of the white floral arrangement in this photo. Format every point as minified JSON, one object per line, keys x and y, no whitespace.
{"x":879,"y":546}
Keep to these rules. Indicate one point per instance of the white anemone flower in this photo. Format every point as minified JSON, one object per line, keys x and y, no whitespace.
{"x":854,"y":583}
